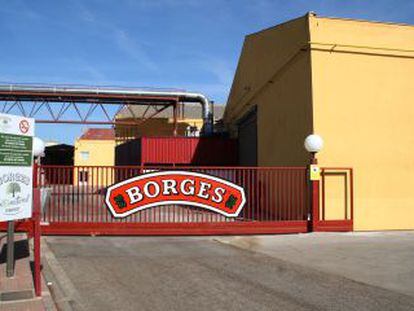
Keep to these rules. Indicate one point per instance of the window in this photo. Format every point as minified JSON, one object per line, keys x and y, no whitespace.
{"x":84,"y":155}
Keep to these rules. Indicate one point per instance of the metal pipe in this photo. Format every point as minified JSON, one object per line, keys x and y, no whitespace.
{"x":70,"y":89}
{"x":368,"y":47}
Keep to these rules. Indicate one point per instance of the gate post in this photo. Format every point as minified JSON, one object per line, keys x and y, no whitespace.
{"x":36,"y":229}
{"x":313,"y":144}
{"x":314,"y":178}
{"x":314,"y":204}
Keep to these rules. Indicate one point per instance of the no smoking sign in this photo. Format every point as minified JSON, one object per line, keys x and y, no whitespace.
{"x":24,"y":126}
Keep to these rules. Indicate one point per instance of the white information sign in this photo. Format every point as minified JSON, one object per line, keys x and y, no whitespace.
{"x":16,"y":167}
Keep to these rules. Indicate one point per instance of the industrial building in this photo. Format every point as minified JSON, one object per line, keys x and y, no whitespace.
{"x":351,"y":82}
{"x":188,"y":118}
{"x":153,"y":141}
{"x":95,"y":147}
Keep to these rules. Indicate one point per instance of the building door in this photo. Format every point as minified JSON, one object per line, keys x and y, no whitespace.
{"x":247,"y":139}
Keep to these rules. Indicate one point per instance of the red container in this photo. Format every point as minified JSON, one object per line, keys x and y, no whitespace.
{"x":178,"y":150}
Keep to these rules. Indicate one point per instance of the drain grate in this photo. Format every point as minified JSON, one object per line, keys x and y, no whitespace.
{"x":17,"y":295}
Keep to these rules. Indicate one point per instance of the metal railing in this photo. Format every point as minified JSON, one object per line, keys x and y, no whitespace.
{"x":77,"y":195}
{"x":344,"y":195}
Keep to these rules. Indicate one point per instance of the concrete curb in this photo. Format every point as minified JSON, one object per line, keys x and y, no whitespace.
{"x":47,"y":298}
{"x":63,"y":292}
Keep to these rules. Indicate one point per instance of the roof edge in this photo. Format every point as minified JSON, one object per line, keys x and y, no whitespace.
{"x":360,"y":20}
{"x":310,"y":13}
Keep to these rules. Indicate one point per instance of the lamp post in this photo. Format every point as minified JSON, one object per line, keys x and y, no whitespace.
{"x":38,"y":152}
{"x":313,"y":144}
{"x":38,"y":147}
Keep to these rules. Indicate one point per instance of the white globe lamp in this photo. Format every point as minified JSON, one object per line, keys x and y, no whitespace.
{"x":313,"y":144}
{"x":38,"y":147}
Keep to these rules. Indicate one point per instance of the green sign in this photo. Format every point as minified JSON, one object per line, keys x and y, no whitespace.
{"x":16,"y":171}
{"x":15,"y":150}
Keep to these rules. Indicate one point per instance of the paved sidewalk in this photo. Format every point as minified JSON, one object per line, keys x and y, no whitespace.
{"x":17,"y":292}
{"x":383,"y":259}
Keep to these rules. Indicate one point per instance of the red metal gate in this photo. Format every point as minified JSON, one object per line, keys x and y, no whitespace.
{"x":278,"y":201}
{"x":344,"y":219}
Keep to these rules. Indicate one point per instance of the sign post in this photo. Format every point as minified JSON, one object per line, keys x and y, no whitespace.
{"x":10,"y":249}
{"x":16,"y":175}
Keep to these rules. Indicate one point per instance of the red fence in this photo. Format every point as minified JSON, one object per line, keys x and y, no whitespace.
{"x":277,"y":201}
{"x":343,"y":205}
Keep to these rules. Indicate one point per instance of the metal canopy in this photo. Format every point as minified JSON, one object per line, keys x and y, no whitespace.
{"x":83,"y":105}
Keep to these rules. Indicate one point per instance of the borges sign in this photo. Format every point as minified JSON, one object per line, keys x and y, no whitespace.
{"x":175,"y":187}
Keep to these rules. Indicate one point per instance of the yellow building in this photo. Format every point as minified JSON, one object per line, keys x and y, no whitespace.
{"x":96,"y":147}
{"x":189,"y":121}
{"x":351,"y":82}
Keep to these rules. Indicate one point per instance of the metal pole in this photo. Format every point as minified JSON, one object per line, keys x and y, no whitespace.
{"x":36,"y":242}
{"x":315,"y":204}
{"x":314,"y":197}
{"x":175,"y":119}
{"x":36,"y":227}
{"x":10,"y":249}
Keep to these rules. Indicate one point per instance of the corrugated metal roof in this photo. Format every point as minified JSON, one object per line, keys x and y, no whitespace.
{"x":190,"y":111}
{"x":98,"y":134}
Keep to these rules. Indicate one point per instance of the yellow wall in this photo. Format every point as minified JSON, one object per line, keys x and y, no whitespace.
{"x":101,"y":153}
{"x":274,"y":74}
{"x":284,"y":117}
{"x":359,"y":99}
{"x":363,"y":108}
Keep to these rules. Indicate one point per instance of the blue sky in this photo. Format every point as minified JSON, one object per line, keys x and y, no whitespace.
{"x":186,"y":44}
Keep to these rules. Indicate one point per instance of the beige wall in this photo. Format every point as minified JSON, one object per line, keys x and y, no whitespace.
{"x":363,"y":108}
{"x":101,"y":153}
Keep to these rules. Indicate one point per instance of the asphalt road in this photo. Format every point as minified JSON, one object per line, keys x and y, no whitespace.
{"x":187,"y":273}
{"x":381,"y":259}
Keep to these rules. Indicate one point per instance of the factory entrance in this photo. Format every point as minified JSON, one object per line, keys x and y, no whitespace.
{"x":275,"y":200}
